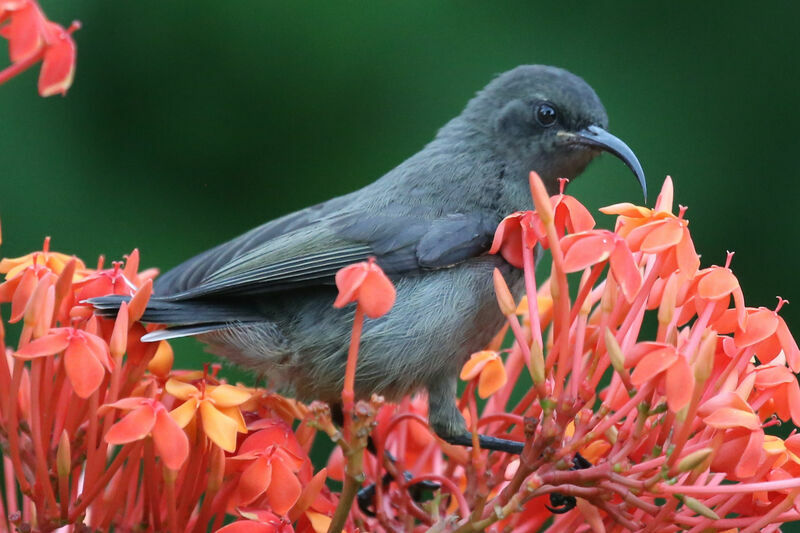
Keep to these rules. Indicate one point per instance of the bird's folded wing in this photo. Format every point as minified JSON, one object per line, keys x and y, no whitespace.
{"x":312,"y":255}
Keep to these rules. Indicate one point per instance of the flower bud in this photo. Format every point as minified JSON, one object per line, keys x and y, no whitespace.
{"x":63,"y":456}
{"x":694,"y":459}
{"x":614,"y":352}
{"x":704,"y":362}
{"x":504,"y":299}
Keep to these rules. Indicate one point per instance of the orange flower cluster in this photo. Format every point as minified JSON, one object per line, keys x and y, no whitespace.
{"x":621,"y":431}
{"x":98,"y":430}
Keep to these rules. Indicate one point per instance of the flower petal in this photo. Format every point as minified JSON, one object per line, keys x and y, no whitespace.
{"x":83,"y":369}
{"x":134,"y":426}
{"x":668,"y":234}
{"x":184,"y":413}
{"x":254,"y":481}
{"x":377,"y":293}
{"x":180,"y":389}
{"x":473,"y":367}
{"x":679,"y":384}
{"x":492,"y":379}
{"x":582,"y":250}
{"x":348,"y":281}
{"x":228,"y":395}
{"x":170,"y":441}
{"x":286,"y":490}
{"x":760,"y":325}
{"x":58,"y":66}
{"x":717,"y":283}
{"x":48,"y":345}
{"x":728,"y":417}
{"x":219,"y":428}
{"x":652,"y":365}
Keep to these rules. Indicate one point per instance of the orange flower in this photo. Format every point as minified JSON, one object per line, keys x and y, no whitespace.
{"x":489,"y":367}
{"x":366,"y":284}
{"x":658,"y":231}
{"x":663,"y":361}
{"x":86,"y":356}
{"x":582,"y":250}
{"x":766,"y":333}
{"x":219,"y":410}
{"x":54,"y":261}
{"x":149,"y":417}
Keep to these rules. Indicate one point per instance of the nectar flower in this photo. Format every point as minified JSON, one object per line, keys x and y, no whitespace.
{"x":519,"y":229}
{"x":269,"y":462}
{"x":582,"y":250}
{"x":149,"y":417}
{"x":218,"y":406}
{"x":366,"y":284}
{"x":488,"y":368}
{"x":86,"y":356}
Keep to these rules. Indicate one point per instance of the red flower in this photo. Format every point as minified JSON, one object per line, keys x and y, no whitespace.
{"x":149,"y":417}
{"x":32,"y":37}
{"x":366,"y":284}
{"x":270,"y":460}
{"x":522,"y":227}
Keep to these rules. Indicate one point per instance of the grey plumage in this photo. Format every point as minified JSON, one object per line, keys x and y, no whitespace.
{"x":264,"y":300}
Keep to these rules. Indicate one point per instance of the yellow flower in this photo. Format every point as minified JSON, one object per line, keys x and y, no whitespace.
{"x":219,"y":410}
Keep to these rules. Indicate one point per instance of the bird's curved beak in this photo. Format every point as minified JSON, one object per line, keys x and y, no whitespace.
{"x":597,"y":137}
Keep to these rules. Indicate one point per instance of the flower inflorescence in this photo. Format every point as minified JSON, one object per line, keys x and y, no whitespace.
{"x":621,"y":430}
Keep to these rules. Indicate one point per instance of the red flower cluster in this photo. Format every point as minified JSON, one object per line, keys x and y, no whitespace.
{"x":33,"y":38}
{"x":673,"y":431}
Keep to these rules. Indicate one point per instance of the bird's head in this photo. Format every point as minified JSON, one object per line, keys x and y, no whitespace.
{"x":546,"y":119}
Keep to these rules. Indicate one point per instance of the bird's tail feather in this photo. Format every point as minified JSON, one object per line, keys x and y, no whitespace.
{"x":184,"y":331}
{"x":184,"y":318}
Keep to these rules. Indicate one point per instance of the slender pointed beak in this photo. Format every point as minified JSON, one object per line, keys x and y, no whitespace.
{"x":597,"y":137}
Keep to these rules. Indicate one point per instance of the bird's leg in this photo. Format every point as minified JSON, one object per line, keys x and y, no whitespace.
{"x":447,"y":422}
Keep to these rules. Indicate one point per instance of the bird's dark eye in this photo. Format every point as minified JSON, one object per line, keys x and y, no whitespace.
{"x":546,"y":114}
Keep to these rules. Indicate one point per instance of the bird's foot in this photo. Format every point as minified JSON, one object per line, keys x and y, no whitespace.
{"x":487,"y":443}
{"x":366,"y":496}
{"x":562,"y":503}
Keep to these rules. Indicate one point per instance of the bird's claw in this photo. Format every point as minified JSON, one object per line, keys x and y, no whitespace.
{"x":366,"y":496}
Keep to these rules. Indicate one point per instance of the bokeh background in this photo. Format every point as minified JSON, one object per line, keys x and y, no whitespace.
{"x":190,"y":122}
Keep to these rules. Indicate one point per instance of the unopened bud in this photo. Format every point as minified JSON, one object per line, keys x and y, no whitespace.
{"x":704,"y":362}
{"x":694,"y":459}
{"x":63,"y":456}
{"x":666,"y":309}
{"x":612,"y":434}
{"x":119,"y":336}
{"x":697,"y":506}
{"x":537,"y":364}
{"x":614,"y":352}
{"x":504,"y":299}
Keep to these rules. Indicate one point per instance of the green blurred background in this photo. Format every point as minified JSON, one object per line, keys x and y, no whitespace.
{"x":190,"y":122}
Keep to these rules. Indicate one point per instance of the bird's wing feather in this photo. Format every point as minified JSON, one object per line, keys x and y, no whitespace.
{"x":311,"y":255}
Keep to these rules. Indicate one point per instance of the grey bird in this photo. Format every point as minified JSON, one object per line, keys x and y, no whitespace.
{"x":264,"y":299}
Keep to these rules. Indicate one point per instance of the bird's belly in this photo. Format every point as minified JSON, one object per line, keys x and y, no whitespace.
{"x":438,"y":320}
